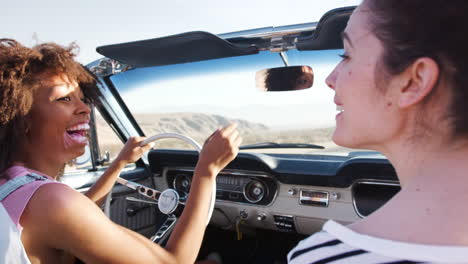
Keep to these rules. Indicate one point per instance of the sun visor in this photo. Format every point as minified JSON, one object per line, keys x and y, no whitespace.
{"x":181,"y":48}
{"x":327,"y":34}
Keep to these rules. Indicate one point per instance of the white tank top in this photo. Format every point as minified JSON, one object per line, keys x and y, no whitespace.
{"x":11,"y":248}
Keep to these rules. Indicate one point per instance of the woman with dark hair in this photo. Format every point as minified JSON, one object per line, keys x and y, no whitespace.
{"x":401,"y":89}
{"x":44,"y":116}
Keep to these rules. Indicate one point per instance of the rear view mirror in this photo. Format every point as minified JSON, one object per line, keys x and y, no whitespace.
{"x":284,"y":79}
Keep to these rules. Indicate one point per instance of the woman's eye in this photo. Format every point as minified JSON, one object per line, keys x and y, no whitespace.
{"x":301,"y":81}
{"x":65,"y":98}
{"x":344,"y":56}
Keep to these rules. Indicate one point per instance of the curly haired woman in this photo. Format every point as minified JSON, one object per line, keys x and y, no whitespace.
{"x":44,"y":115}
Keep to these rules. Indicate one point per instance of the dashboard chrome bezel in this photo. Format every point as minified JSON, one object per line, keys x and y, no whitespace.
{"x":242,"y":173}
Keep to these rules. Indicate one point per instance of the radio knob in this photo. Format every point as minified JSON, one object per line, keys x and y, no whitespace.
{"x":243,"y":214}
{"x":261,"y":217}
{"x":335,"y":196}
{"x":292,"y":191}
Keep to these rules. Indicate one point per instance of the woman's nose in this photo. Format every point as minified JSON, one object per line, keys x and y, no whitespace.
{"x":331,"y":79}
{"x":83,"y":108}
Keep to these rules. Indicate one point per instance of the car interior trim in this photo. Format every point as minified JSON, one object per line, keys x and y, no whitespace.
{"x":369,"y":182}
{"x":327,"y":35}
{"x":175,"y":49}
{"x":231,"y":173}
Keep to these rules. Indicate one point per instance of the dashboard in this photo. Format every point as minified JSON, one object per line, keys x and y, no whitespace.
{"x":285,"y":192}
{"x":243,"y":187}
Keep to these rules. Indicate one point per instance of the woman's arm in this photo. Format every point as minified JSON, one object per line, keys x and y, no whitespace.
{"x":131,"y":152}
{"x":192,"y":222}
{"x":72,"y":223}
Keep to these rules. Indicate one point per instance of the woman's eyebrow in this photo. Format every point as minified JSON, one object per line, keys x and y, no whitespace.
{"x":345,"y":36}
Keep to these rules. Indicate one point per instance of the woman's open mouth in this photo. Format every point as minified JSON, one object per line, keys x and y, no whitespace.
{"x":340,"y":110}
{"x":77,"y":134}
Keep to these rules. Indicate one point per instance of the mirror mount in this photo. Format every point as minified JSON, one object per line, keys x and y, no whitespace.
{"x":282,"y":43}
{"x":284,"y":57}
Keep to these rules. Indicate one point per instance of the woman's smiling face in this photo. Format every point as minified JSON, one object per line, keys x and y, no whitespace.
{"x":366,"y":112}
{"x":59,"y":120}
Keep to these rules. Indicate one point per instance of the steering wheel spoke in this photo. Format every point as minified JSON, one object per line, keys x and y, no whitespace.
{"x":141,"y":189}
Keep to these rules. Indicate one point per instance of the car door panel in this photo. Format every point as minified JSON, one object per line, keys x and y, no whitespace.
{"x":135,"y":216}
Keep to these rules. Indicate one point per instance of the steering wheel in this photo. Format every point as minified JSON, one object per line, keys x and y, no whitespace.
{"x":168,"y":201}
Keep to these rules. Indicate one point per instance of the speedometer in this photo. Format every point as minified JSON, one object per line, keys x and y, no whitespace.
{"x":182,"y":184}
{"x":254,"y":191}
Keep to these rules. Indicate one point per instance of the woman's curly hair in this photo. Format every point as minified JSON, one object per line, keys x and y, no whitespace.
{"x":21,"y":70}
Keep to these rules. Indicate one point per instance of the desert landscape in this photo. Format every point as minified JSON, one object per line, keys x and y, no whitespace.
{"x":199,"y":126}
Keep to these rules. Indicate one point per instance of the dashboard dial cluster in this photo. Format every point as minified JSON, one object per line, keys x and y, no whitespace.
{"x":242,"y":187}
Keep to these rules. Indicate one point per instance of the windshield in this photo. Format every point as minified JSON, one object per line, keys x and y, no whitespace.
{"x":195,"y":99}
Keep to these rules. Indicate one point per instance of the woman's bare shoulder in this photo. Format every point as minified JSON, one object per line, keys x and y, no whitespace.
{"x":57,"y":208}
{"x":62,"y":218}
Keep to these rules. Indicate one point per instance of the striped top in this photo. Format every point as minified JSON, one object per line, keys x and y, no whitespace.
{"x":337,"y":244}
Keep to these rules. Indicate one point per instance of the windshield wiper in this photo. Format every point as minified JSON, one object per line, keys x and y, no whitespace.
{"x":266,"y":145}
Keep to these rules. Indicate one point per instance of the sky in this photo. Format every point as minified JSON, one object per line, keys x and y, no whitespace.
{"x":91,"y":23}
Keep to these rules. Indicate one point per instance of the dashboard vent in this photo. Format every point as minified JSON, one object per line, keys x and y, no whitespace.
{"x":369,"y":196}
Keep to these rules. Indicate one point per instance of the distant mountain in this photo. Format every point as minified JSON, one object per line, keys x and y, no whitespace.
{"x":196,"y":125}
{"x":199,"y":126}
{"x":191,"y":123}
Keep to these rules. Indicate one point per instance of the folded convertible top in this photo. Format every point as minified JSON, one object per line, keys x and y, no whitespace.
{"x":181,"y":48}
{"x":327,"y":34}
{"x":199,"y":45}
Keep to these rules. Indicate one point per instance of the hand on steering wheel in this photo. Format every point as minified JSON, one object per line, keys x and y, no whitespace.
{"x":219,"y":149}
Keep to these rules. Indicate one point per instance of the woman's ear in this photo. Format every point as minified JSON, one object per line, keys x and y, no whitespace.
{"x":419,"y":79}
{"x":27,"y":121}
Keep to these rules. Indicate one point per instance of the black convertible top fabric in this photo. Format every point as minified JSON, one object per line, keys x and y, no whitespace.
{"x":181,"y":48}
{"x":327,"y":35}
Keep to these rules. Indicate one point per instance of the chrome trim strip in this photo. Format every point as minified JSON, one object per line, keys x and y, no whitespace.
{"x":229,"y":171}
{"x":370,"y":182}
{"x":387,"y":183}
{"x":270,"y":31}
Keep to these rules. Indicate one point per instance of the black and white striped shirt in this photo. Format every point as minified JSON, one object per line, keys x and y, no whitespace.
{"x":337,"y":244}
